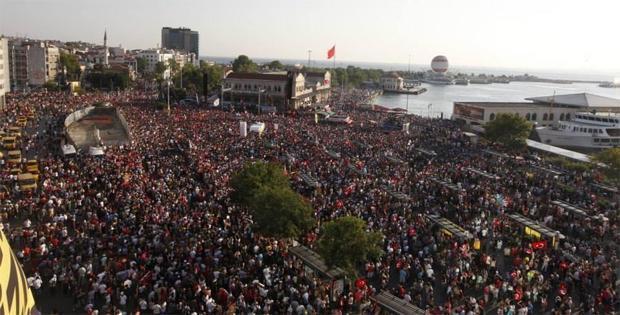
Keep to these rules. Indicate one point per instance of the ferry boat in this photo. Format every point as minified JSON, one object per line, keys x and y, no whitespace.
{"x":439,"y":81}
{"x":461,"y":82}
{"x":585,"y":130}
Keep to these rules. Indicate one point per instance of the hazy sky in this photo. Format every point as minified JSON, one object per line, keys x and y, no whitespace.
{"x":526,"y":34}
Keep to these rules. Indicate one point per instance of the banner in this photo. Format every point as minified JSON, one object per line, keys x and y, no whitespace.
{"x":15,"y":295}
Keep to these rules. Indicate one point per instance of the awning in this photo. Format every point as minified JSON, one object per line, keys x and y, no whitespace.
{"x":558,"y":151}
{"x":393,"y":304}
{"x":495,"y":153}
{"x":444,"y":183}
{"x":95,"y":151}
{"x":68,"y":149}
{"x":314,"y":261}
{"x":451,"y":227}
{"x":309,"y":180}
{"x":526,"y":222}
{"x":397,"y":194}
{"x":427,"y":152}
{"x":482,"y":173}
{"x":395,"y":160}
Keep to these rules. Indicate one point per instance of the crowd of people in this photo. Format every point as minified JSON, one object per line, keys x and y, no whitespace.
{"x":150,"y":228}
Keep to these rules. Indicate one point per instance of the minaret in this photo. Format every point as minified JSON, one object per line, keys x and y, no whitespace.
{"x":105,"y":48}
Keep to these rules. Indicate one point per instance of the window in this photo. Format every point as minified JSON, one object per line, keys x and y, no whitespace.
{"x":567,"y":116}
{"x":562,"y":116}
{"x":534,"y":116}
{"x":527,"y":116}
{"x":551,"y":116}
{"x":492,"y":116}
{"x":545,"y":116}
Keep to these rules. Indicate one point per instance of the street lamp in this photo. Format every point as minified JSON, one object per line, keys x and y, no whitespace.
{"x":224,"y":90}
{"x":168,"y":96}
{"x":259,"y":92}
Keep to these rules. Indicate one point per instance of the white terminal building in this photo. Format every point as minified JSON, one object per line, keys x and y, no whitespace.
{"x":281,"y":90}
{"x":545,"y":111}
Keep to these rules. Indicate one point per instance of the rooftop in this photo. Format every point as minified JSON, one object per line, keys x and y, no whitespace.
{"x":577,"y":100}
{"x":257,"y":76}
{"x":501,"y":104}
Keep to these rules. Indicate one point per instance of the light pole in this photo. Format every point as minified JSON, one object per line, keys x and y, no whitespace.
{"x":259,"y":92}
{"x":168,"y":96}
{"x":224,"y":90}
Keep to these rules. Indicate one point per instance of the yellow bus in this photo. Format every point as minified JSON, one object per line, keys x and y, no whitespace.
{"x":26,"y":182}
{"x":9,"y":143}
{"x":15,"y":157}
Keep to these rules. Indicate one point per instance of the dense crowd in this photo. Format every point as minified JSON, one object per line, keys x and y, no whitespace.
{"x":150,"y":227}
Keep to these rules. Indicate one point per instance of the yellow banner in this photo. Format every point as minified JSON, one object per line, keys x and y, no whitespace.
{"x":15,"y":295}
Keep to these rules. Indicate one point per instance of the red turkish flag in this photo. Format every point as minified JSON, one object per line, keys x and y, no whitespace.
{"x":539,"y":245}
{"x":331,"y":53}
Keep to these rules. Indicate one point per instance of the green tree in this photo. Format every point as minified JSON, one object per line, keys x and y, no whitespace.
{"x":160,"y":69}
{"x":509,"y":130}
{"x":141,"y":64}
{"x":345,"y":243}
{"x":108,"y":79}
{"x":71,"y":65}
{"x":280,"y":212}
{"x":173,"y":65}
{"x":248,"y":181}
{"x":51,"y":86}
{"x":244,"y":64}
{"x":611,"y":158}
{"x":215,"y":74}
{"x":276,"y":65}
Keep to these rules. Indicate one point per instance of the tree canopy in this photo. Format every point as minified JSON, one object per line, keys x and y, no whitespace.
{"x":611,"y":158}
{"x":509,"y":130}
{"x":108,"y":80}
{"x":244,"y":64}
{"x":160,"y":69}
{"x":345,"y":243}
{"x":215,"y":74}
{"x":71,"y":64}
{"x":141,"y":64}
{"x":281,"y":212}
{"x":276,"y":65}
{"x":248,"y":181}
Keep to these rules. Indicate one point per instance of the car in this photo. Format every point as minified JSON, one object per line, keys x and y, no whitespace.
{"x":15,"y":171}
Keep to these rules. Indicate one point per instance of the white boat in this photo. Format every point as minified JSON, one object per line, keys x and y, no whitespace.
{"x":439,"y":81}
{"x":585,"y":130}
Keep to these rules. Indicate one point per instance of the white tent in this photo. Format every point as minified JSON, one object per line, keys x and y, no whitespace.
{"x":258,"y":127}
{"x":95,"y":151}
{"x":68,"y":149}
{"x":243,"y":129}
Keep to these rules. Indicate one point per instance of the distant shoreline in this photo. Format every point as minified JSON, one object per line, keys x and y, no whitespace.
{"x":548,"y":75}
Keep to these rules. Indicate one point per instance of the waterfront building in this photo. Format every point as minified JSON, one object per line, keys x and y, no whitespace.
{"x":392,"y":82}
{"x":281,"y":90}
{"x":5,"y":78}
{"x":542,"y":111}
{"x":182,"y":39}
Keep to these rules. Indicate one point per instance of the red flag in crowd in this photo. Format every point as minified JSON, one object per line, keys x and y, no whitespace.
{"x":539,"y":245}
{"x":331,"y":52}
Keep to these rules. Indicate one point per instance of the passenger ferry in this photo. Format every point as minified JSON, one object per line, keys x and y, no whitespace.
{"x":585,"y":130}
